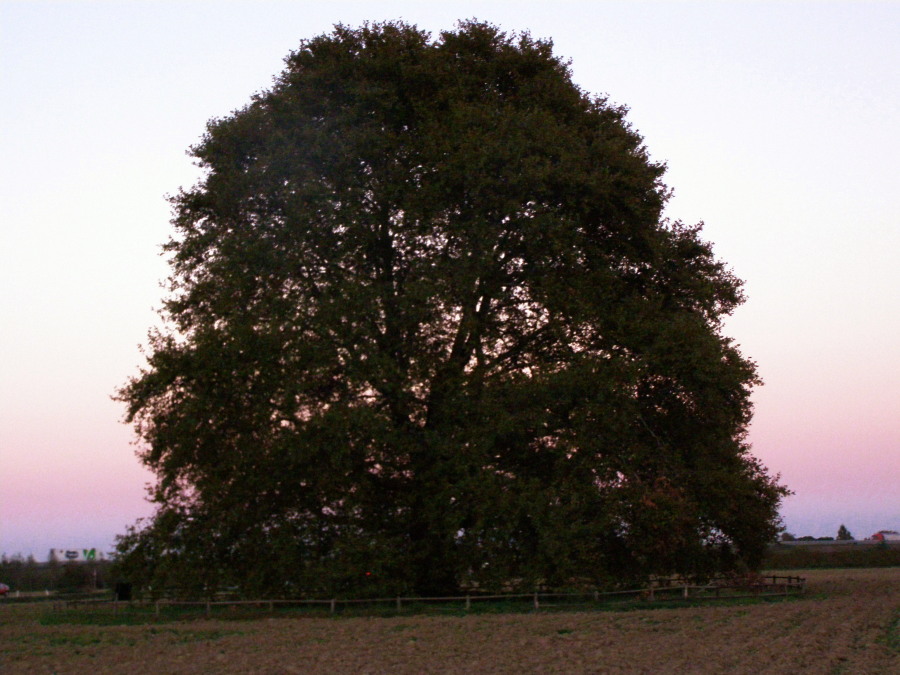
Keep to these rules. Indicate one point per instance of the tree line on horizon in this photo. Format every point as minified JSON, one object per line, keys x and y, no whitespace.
{"x":843,"y":534}
{"x":25,"y":574}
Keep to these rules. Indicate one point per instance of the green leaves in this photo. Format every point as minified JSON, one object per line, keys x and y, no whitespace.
{"x":425,"y":318}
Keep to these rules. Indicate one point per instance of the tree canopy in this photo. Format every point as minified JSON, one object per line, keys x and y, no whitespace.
{"x":426,"y":326}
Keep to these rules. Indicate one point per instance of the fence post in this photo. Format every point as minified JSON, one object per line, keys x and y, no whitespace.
{"x":685,"y":591}
{"x":156,"y":608}
{"x":207,"y":608}
{"x":537,"y":605}
{"x":468,"y":603}
{"x":398,"y":603}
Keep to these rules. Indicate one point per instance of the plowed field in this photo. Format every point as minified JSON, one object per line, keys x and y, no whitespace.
{"x":847,"y":623}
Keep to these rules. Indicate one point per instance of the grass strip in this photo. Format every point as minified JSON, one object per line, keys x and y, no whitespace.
{"x":137,"y":615}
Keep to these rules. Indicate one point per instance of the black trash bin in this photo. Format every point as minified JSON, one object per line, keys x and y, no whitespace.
{"x":123,"y":591}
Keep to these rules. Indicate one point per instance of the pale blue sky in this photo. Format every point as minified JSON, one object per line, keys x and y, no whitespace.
{"x":778,"y":122}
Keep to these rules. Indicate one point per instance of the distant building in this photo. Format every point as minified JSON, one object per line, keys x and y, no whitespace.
{"x":886,"y":535}
{"x":63,"y":555}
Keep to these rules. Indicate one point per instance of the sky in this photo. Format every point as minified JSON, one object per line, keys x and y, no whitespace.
{"x":778,"y":123}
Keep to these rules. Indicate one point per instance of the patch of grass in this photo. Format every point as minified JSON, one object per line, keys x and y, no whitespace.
{"x":82,"y":640}
{"x":103,"y":617}
{"x":204,"y":635}
{"x":180,"y":635}
{"x":74,"y":640}
{"x":891,"y":637}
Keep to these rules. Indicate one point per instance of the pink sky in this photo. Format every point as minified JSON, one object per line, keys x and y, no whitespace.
{"x":778,"y":122}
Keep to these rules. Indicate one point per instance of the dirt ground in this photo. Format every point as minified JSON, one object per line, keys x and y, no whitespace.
{"x":849,"y":622}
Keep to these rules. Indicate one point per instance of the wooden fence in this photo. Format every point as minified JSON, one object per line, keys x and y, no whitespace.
{"x":659,"y":591}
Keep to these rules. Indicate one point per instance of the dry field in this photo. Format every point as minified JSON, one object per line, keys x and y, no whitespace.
{"x":849,"y":622}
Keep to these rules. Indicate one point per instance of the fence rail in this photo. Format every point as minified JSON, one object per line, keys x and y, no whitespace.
{"x":716,"y":589}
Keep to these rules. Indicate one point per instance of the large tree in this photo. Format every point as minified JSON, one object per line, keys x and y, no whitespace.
{"x":426,"y":326}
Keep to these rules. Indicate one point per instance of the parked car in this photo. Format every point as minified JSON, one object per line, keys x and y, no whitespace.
{"x":4,"y":590}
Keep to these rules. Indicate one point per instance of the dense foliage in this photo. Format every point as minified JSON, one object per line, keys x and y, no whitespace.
{"x":426,"y":327}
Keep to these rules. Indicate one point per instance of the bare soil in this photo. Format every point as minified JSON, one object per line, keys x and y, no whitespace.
{"x":849,"y":622}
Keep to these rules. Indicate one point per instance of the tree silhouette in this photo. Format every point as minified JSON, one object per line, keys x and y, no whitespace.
{"x":425,"y":321}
